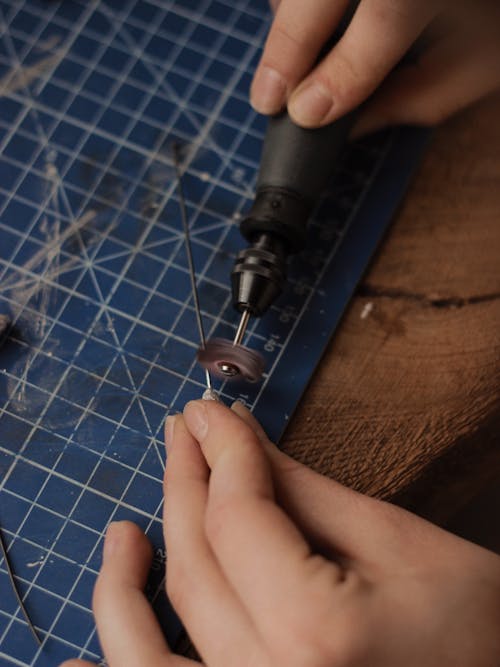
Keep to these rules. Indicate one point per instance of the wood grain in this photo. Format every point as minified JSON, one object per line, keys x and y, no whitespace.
{"x":406,"y":403}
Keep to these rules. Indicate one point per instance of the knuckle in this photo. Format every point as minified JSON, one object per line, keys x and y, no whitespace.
{"x":312,"y":645}
{"x":388,"y":10}
{"x":288,"y":34}
{"x":346,"y":68}
{"x":287,"y":50}
{"x":344,"y":77}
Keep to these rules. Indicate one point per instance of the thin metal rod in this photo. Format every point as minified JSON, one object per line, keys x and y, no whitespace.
{"x":16,"y":591}
{"x":242,"y":327}
{"x":189,"y":253}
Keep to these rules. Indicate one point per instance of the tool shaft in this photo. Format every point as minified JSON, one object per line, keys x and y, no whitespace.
{"x":242,"y":327}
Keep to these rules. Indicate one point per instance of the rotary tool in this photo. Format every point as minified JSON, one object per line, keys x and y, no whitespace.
{"x":296,"y":165}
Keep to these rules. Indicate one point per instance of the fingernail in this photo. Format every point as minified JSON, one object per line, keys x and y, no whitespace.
{"x":196,"y":417}
{"x":309,"y":105}
{"x":239,"y":407}
{"x":169,"y":431}
{"x":268,"y":91}
{"x":110,"y":540}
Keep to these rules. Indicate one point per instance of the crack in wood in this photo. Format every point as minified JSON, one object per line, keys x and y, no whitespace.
{"x":372,"y":291}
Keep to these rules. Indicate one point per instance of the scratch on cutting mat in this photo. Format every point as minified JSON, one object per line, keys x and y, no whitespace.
{"x":50,"y":251}
{"x":27,"y":288}
{"x":205,"y":132}
{"x":19,"y":78}
{"x":50,"y":43}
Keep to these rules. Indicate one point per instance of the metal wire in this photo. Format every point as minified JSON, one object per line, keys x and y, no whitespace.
{"x":187,"y":239}
{"x":10,"y":573}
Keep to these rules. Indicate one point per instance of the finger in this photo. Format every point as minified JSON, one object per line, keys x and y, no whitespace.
{"x":359,"y":532}
{"x":290,"y":478}
{"x":305,"y":494}
{"x":214,"y":617}
{"x":297,"y":34}
{"x":380,"y":33}
{"x":443,"y":82}
{"x":77,"y":663}
{"x":260,"y":550}
{"x":127,"y":628}
{"x":244,"y":413}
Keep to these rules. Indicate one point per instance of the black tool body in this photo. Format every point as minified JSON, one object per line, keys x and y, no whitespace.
{"x":296,"y":166}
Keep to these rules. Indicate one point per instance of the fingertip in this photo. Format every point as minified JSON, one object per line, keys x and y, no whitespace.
{"x":127,"y":628}
{"x":268,"y":90}
{"x":311,"y":105}
{"x":125,"y":532}
{"x":196,"y":418}
{"x":240,"y":408}
{"x":127,"y":550}
{"x":197,"y":415}
{"x":200,"y":416}
{"x":123,"y":527}
{"x":216,"y":427}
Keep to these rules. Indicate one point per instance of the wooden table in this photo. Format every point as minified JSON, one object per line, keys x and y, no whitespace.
{"x":406,"y":404}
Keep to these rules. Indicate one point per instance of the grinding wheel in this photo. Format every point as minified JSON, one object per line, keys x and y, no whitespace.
{"x":227,"y":361}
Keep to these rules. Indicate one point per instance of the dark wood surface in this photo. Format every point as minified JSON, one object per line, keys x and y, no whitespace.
{"x":406,"y":402}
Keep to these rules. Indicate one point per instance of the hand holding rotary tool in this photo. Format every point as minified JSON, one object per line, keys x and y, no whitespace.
{"x":453,"y":68}
{"x":296,"y":164}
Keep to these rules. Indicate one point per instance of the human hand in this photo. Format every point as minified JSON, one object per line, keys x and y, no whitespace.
{"x":271,"y":564}
{"x":459,"y":64}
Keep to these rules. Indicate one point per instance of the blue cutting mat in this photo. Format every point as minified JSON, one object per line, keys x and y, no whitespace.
{"x":93,"y":274}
